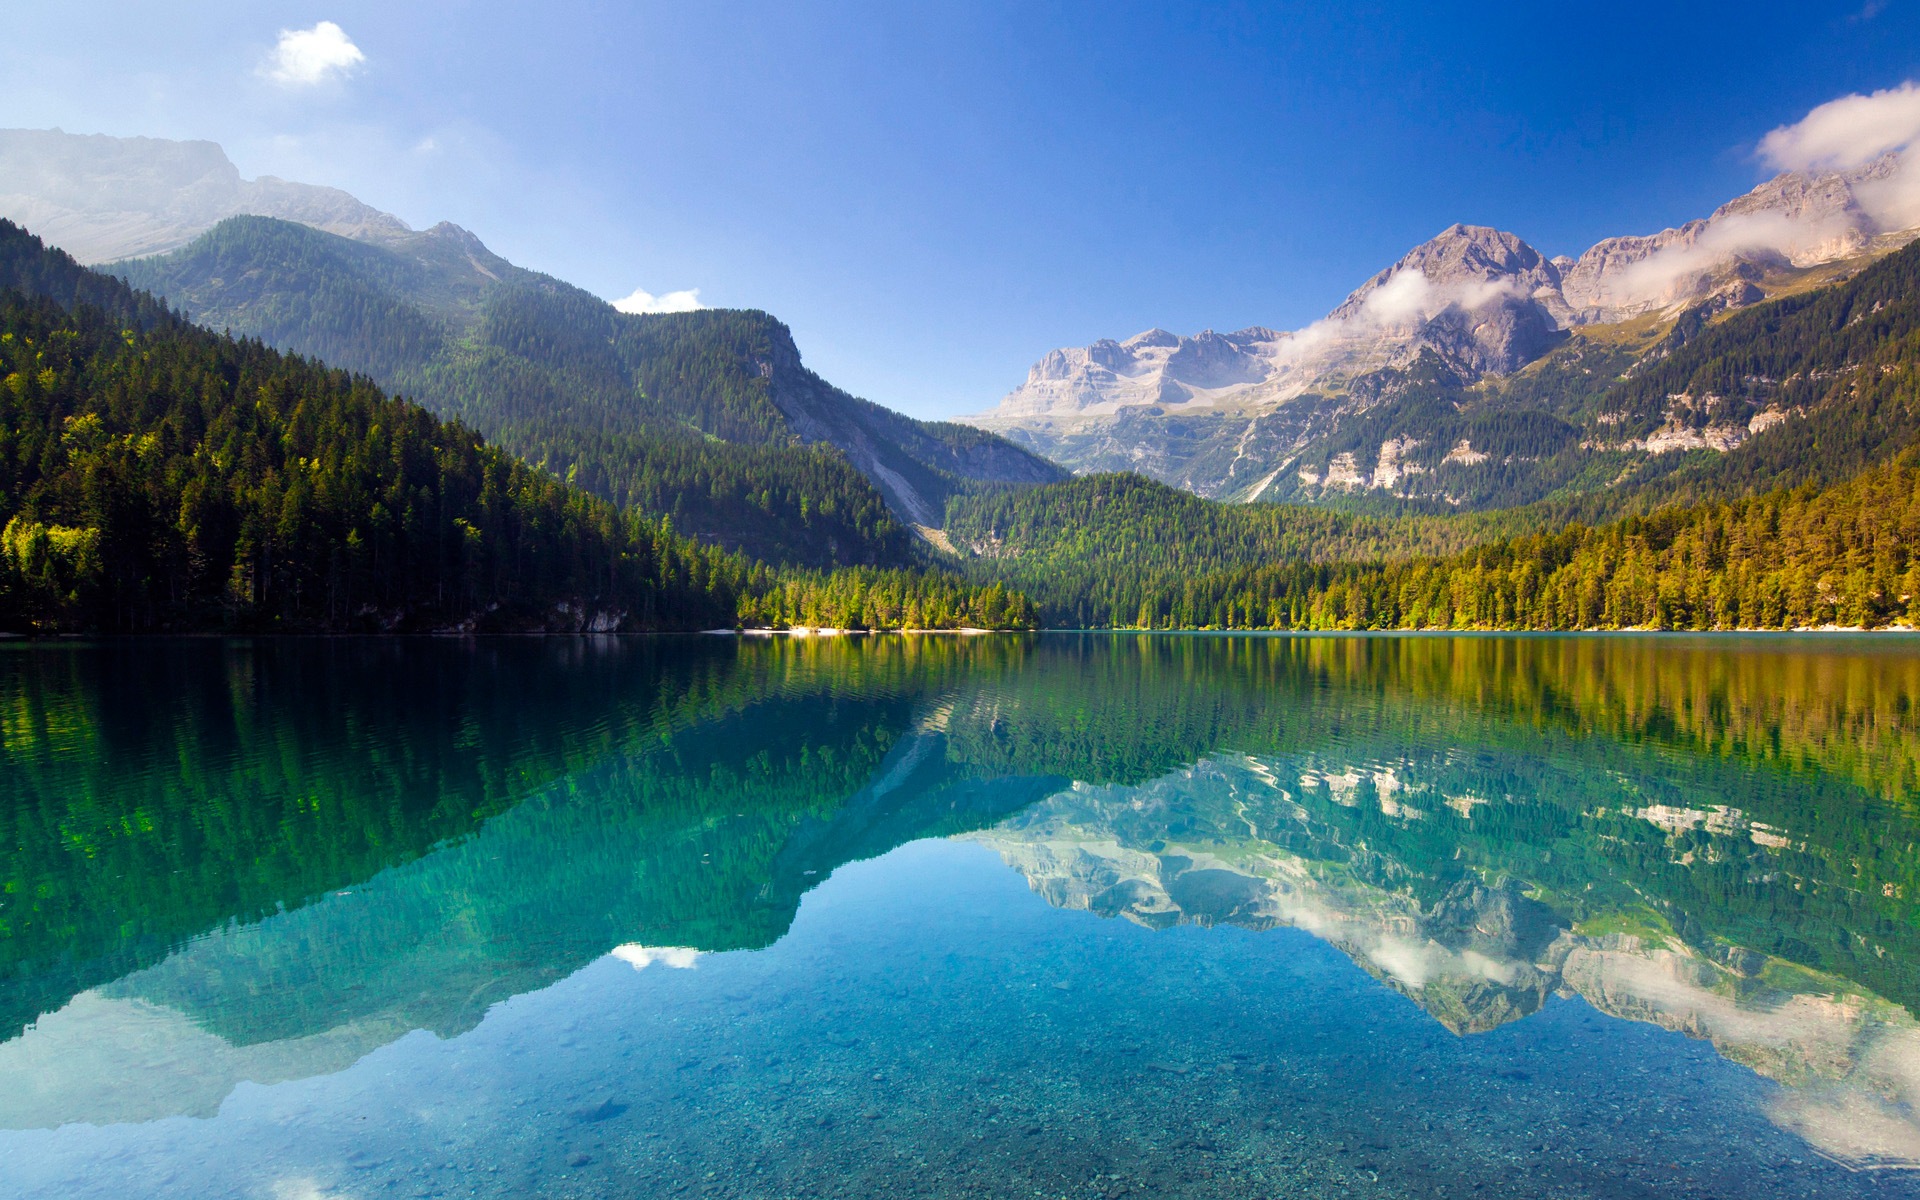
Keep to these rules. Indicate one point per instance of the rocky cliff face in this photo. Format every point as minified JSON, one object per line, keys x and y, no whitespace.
{"x":1795,"y":220}
{"x":915,"y":464}
{"x":1472,"y":302}
{"x":102,"y":198}
{"x":1155,"y":367}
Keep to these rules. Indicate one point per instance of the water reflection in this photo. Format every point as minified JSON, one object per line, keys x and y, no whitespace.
{"x":261,"y":862}
{"x":1486,"y":938}
{"x":690,"y":813}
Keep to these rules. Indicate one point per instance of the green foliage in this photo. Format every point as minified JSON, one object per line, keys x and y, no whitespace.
{"x":344,"y":295}
{"x":712,"y":367}
{"x":177,"y":479}
{"x":663,"y":412}
{"x":1092,"y":550}
{"x":1787,"y":559}
{"x":180,"y":480}
{"x":801,"y":505}
{"x":1425,"y":410}
{"x":673,"y":413}
{"x":1785,"y":353}
{"x":866,"y":598}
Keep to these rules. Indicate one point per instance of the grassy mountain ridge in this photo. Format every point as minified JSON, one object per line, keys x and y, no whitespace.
{"x":708,"y":416}
{"x":155,"y":475}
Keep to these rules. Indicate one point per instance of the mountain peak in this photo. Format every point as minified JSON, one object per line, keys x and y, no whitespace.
{"x":1470,"y":268}
{"x":1155,"y":337}
{"x":1796,"y":219}
{"x":466,"y":239}
{"x":1462,"y":254}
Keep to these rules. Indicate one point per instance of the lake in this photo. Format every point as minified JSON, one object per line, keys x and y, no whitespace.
{"x":1063,"y":915}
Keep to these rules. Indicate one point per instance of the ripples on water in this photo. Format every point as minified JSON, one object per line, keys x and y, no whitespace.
{"x":1065,"y":915}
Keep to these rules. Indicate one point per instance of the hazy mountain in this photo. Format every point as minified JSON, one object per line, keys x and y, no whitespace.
{"x":1233,"y":415}
{"x":104,"y":198}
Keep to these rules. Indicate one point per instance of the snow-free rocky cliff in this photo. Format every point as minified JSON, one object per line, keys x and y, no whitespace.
{"x":1225,"y":414}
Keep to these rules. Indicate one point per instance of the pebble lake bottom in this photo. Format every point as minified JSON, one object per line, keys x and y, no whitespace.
{"x":931,"y":1028}
{"x":1093,"y":918}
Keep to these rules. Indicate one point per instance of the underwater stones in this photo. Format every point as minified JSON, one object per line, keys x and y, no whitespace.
{"x":606,"y":1110}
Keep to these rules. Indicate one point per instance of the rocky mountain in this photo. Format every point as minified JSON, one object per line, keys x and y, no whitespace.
{"x":1232,"y":415}
{"x":708,"y":416}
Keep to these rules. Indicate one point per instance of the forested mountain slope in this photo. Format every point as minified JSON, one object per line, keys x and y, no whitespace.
{"x":1092,"y":547}
{"x":1845,"y":556}
{"x":154,"y":475}
{"x":1830,"y":378}
{"x":708,"y":417}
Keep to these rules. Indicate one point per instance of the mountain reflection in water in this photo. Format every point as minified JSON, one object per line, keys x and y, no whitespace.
{"x":261,"y":861}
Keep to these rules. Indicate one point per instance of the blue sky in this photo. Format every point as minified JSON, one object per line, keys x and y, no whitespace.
{"x":934,"y":195}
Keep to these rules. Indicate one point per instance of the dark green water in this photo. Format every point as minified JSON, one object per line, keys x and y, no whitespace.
{"x":1054,"y":915}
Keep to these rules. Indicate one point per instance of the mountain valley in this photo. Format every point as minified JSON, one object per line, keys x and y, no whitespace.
{"x":1475,"y":437}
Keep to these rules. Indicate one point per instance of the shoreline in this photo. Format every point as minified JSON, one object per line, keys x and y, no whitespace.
{"x":964,"y":631}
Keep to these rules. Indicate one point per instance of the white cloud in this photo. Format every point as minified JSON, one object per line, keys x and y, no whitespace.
{"x":1842,"y":135}
{"x":1851,"y":132}
{"x":1846,"y":133}
{"x":1404,"y":295}
{"x":642,"y":301}
{"x":1407,"y":299}
{"x":305,"y":57}
{"x":641,"y":957}
{"x":1719,"y":242}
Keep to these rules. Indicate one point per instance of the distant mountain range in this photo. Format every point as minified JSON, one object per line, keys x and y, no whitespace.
{"x":1475,"y":317}
{"x":709,"y":416}
{"x":1458,"y":406}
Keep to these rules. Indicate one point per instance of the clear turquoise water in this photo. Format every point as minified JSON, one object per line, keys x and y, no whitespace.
{"x":1061,"y":916}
